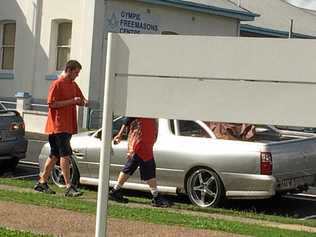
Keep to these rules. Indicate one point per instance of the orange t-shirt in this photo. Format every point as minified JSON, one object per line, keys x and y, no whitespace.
{"x":63,"y":119}
{"x":142,"y":137}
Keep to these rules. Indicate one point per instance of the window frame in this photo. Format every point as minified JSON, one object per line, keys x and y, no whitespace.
{"x":177,"y":132}
{"x":62,"y":46}
{"x":2,"y":46}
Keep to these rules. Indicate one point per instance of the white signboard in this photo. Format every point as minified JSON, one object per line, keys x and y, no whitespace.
{"x":230,"y":79}
{"x":220,"y":78}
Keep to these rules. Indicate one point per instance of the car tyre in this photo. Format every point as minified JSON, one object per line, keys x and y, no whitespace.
{"x":2,"y":166}
{"x":8,"y":165}
{"x":205,"y":188}
{"x":58,"y":178}
{"x":12,"y":164}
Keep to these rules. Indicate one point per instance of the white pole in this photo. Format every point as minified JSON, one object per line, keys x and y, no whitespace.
{"x":291,"y":29}
{"x":103,"y":188}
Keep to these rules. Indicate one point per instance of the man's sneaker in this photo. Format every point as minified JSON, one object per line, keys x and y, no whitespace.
{"x":44,"y":188}
{"x":160,"y":201}
{"x":116,"y":195}
{"x":72,"y":191}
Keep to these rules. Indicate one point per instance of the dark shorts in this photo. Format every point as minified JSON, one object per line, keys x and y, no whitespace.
{"x":60,"y":144}
{"x":147,"y":168}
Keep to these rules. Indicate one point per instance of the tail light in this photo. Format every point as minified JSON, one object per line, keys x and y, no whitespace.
{"x":266,"y":163}
{"x":17,"y":126}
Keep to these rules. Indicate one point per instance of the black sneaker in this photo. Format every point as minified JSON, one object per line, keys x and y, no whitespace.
{"x":44,"y":188}
{"x":116,"y":195}
{"x":160,"y":201}
{"x":72,"y":191}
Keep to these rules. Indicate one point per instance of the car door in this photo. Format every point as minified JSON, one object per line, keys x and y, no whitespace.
{"x":178,"y":144}
{"x":118,"y":155}
{"x":119,"y":151}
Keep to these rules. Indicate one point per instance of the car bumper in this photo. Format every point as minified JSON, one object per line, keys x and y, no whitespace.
{"x":16,"y":148}
{"x":248,"y":186}
{"x":290,"y":184}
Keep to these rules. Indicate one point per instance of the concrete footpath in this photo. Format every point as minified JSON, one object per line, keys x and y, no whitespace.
{"x":59,"y":222}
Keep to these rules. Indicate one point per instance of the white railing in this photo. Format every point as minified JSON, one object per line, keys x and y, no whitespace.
{"x":8,"y":102}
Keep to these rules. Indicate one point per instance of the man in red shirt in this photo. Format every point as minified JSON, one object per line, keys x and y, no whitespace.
{"x":63,"y":97}
{"x":141,"y":139}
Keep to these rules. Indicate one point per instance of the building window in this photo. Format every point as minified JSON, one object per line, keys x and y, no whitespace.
{"x":63,"y":44}
{"x":7,"y":45}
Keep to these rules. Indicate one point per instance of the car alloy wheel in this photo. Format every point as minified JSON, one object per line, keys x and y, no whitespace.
{"x":205,"y":188}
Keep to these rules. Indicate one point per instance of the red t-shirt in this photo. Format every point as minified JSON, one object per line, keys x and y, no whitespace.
{"x":141,"y":138}
{"x":63,"y":119}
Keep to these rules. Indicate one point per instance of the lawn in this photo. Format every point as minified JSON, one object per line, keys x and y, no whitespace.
{"x":177,"y":215}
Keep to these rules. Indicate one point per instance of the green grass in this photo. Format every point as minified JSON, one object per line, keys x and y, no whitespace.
{"x":4,"y":232}
{"x":152,"y":215}
{"x":17,"y":182}
{"x":42,"y":199}
{"x":245,"y":214}
{"x":92,"y":195}
{"x":249,"y":214}
{"x":163,"y":217}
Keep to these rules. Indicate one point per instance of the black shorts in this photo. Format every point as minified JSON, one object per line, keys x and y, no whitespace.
{"x":147,"y":168}
{"x":60,"y":144}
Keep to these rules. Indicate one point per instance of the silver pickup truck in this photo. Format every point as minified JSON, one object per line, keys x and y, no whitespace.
{"x":191,"y":160}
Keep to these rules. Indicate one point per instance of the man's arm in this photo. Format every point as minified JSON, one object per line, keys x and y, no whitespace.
{"x":63,"y":103}
{"x":126,"y":122}
{"x":84,"y":101}
{"x":117,"y":139}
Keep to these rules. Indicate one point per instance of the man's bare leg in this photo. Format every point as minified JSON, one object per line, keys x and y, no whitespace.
{"x":116,"y":193}
{"x":152,"y":183}
{"x":71,"y":191}
{"x":42,"y":185}
{"x":49,"y":165}
{"x":122,"y":179}
{"x":65,"y":168}
{"x":158,"y":200}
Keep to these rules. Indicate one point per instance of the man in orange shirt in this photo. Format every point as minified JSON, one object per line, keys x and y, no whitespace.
{"x":63,"y":97}
{"x":141,"y":138}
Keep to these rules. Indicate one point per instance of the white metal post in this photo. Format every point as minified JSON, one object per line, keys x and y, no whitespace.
{"x":103,"y":187}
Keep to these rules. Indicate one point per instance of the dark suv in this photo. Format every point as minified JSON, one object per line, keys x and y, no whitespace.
{"x":13,"y":144}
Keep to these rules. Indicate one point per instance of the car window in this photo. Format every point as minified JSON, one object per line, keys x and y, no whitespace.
{"x":117,"y":123}
{"x":191,"y":129}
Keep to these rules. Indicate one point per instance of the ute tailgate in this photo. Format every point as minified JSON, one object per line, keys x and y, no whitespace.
{"x":294,"y":162}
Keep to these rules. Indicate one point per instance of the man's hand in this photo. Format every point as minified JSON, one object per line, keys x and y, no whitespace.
{"x":85,"y":103}
{"x":129,"y":155}
{"x":78,"y":101}
{"x":81,"y":102}
{"x":117,"y":139}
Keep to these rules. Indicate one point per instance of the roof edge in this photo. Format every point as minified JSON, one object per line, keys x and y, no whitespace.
{"x":198,"y":7}
{"x":272,"y":32}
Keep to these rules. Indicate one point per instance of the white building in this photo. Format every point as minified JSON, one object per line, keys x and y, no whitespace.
{"x":279,"y":18}
{"x":38,"y":36}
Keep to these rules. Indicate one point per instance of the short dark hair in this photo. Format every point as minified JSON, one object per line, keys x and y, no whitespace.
{"x":72,"y":65}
